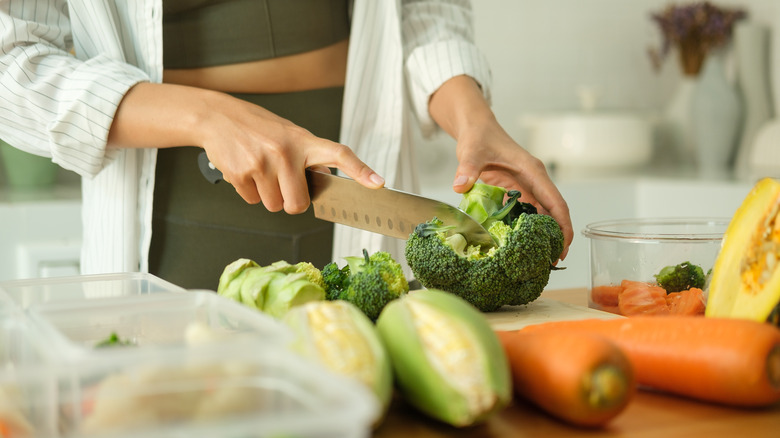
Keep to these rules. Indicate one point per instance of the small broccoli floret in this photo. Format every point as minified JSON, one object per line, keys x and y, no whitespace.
{"x":681,"y":277}
{"x":369,"y":282}
{"x":515,"y":272}
{"x":335,"y":280}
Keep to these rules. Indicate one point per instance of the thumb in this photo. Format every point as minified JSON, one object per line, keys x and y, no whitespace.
{"x":465,"y":177}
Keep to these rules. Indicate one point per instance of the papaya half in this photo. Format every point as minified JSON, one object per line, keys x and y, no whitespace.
{"x":745,"y":279}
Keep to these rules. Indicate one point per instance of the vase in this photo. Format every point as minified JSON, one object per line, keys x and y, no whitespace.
{"x":676,"y":140}
{"x":716,"y":114}
{"x":751,"y":46}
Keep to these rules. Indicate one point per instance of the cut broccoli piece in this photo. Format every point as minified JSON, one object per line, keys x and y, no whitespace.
{"x":681,"y":277}
{"x":515,"y":272}
{"x":368,"y":282}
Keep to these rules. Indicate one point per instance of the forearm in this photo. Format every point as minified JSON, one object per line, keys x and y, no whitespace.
{"x":458,"y":103}
{"x":160,"y":116}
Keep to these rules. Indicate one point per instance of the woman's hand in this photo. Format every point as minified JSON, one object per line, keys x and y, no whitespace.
{"x":264,"y":156}
{"x":261,"y":154}
{"x":485,"y":151}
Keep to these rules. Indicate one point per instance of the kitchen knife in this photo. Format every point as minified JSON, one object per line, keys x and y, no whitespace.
{"x":385,"y":211}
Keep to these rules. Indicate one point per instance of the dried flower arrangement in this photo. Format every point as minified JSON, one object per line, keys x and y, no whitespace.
{"x":694,"y":30}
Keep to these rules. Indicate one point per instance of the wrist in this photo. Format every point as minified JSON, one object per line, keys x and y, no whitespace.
{"x":458,"y":104}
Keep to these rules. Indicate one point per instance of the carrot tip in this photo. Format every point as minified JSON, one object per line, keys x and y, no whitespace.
{"x":608,"y":386}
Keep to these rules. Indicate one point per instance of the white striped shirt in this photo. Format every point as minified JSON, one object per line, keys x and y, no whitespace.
{"x":59,"y":105}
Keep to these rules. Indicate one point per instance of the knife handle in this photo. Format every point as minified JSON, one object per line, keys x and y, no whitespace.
{"x":209,"y":171}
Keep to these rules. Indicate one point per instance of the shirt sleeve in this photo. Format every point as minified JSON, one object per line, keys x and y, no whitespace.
{"x":54,"y":104}
{"x":438,"y":41}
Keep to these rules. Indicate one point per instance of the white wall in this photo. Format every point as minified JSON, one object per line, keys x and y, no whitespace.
{"x":542,"y":51}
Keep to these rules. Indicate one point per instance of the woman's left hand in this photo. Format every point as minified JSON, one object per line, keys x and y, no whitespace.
{"x":486,"y":152}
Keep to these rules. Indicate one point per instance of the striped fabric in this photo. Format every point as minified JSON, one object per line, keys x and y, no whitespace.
{"x":59,"y":105}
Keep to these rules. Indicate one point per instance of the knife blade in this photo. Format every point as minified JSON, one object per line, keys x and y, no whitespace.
{"x":386,"y":211}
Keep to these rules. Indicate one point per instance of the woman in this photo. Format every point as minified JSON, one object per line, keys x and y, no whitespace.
{"x":104,"y":112}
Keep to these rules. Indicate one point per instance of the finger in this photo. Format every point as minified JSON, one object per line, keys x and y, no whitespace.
{"x":342,"y":157}
{"x":247,"y":189}
{"x":556,"y":207}
{"x":320,"y":168}
{"x":268,"y":187}
{"x":294,"y":191}
{"x":465,"y":176}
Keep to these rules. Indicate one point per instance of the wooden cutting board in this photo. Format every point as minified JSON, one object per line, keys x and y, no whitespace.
{"x":541,"y":310}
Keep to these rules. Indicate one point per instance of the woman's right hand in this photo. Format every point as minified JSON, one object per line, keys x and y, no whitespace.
{"x":261,"y":154}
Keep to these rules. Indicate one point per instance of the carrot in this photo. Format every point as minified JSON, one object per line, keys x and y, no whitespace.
{"x":583,"y":379}
{"x":686,"y":302}
{"x":722,"y":360}
{"x":638,"y":298}
{"x":605,"y":295}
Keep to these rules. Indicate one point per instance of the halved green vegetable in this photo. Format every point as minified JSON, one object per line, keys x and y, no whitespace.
{"x":447,"y":360}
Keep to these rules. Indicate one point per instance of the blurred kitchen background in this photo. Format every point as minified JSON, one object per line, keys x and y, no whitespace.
{"x":573,"y":81}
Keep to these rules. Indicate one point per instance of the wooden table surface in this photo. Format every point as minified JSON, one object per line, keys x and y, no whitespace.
{"x":649,"y":415}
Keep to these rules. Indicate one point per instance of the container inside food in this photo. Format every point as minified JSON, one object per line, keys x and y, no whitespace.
{"x":34,"y":292}
{"x":637,"y":249}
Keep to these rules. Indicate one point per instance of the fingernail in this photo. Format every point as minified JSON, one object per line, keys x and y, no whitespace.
{"x":460,"y":180}
{"x":376,"y":179}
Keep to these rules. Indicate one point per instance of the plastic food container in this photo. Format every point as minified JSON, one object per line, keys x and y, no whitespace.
{"x":247,"y":388}
{"x":34,"y":292}
{"x":198,"y":365}
{"x":637,"y":250}
{"x":75,"y":328}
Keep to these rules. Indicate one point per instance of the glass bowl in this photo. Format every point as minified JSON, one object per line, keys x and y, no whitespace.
{"x":635,"y":250}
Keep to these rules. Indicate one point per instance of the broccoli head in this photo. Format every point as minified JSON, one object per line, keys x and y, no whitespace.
{"x":681,"y":277}
{"x":368,"y":282}
{"x":514,"y":272}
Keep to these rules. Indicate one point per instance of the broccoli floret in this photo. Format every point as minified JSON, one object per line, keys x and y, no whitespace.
{"x":335,"y":280}
{"x":515,"y":272}
{"x":681,"y":277}
{"x":368,"y":282}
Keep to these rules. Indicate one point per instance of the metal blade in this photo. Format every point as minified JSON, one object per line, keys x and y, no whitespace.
{"x":385,"y":211}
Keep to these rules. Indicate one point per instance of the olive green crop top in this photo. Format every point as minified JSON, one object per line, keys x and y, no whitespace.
{"x":203,"y":33}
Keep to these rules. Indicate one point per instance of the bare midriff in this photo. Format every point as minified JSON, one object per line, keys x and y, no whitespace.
{"x":316,"y":69}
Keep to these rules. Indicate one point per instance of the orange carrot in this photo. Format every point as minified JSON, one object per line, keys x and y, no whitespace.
{"x":583,"y":379}
{"x":722,"y":360}
{"x":605,"y":295}
{"x":639,"y":298}
{"x":686,"y":302}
